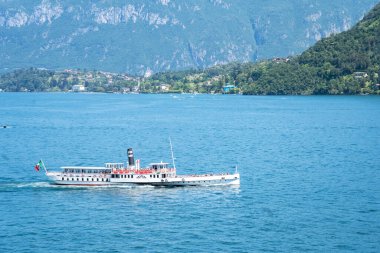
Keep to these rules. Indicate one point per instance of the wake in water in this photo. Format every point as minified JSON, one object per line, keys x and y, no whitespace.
{"x":8,"y":186}
{"x":25,"y":185}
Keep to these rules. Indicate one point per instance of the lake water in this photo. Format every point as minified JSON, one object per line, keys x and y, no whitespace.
{"x":310,"y":173}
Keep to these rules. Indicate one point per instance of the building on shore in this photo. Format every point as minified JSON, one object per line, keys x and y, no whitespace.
{"x":228,"y":88}
{"x":78,"y":88}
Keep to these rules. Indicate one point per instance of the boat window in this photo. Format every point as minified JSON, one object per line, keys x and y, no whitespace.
{"x":82,"y":179}
{"x":97,"y":179}
{"x":92,"y":179}
{"x":131,"y":176}
{"x":102,"y":179}
{"x":63,"y":178}
{"x":72,"y":179}
{"x":87,"y":179}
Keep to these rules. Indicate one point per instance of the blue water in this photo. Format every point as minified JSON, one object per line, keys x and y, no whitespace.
{"x":310,"y":173}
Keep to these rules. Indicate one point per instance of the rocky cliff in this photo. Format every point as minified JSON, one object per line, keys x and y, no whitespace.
{"x":149,"y":36}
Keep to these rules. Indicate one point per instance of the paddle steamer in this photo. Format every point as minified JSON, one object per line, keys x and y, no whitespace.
{"x":156,"y":174}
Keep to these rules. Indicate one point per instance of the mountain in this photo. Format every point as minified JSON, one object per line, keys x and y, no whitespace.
{"x":140,"y":37}
{"x":345,"y":63}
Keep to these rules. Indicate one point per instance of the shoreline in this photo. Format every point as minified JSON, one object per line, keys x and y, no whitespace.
{"x":195,"y":94}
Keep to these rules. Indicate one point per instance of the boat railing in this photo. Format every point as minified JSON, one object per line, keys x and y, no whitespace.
{"x":142,"y":171}
{"x":69,"y":174}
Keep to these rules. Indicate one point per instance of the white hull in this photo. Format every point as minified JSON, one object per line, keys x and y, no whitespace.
{"x":179,"y":180}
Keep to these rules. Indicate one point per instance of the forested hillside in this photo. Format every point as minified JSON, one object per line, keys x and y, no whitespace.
{"x":33,"y":79}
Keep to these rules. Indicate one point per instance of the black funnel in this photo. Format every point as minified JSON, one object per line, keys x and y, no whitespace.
{"x":131,"y":159}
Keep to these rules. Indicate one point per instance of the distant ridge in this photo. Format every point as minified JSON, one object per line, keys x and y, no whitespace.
{"x":145,"y":36}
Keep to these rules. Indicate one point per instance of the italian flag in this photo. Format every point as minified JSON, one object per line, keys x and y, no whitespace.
{"x":38,"y":165}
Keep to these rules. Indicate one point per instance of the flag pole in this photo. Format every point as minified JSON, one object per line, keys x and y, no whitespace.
{"x":171,"y":149}
{"x":43,"y":165}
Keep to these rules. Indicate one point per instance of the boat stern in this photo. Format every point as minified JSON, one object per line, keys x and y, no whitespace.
{"x":235,"y":179}
{"x":53,"y":175}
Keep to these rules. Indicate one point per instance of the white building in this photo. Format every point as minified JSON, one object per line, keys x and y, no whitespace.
{"x":164,"y":87}
{"x":78,"y":88}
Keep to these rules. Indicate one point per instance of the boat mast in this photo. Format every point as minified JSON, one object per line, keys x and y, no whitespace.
{"x":171,"y":149}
